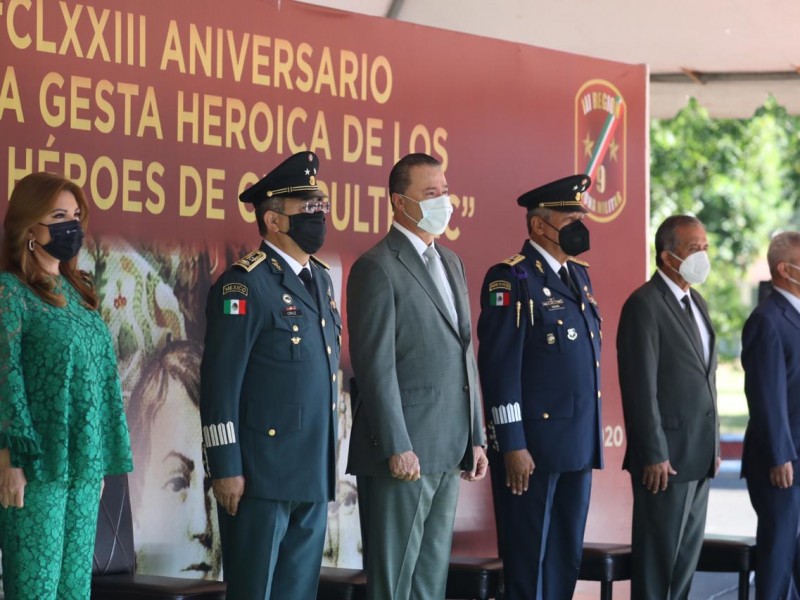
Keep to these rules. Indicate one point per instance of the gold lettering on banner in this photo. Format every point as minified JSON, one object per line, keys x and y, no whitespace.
{"x":275,"y":62}
{"x":78,"y":30}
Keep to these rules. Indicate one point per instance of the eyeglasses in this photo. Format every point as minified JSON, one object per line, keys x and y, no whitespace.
{"x":312,"y":206}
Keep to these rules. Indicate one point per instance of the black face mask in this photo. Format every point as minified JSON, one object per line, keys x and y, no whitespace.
{"x":66,"y":239}
{"x":307,"y":230}
{"x":573,"y":238}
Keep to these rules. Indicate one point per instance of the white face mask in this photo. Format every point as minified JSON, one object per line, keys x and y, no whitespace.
{"x":435,"y":213}
{"x":794,"y":281}
{"x":695,"y":267}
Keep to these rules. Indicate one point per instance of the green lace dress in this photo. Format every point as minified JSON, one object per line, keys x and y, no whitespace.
{"x":63,"y":420}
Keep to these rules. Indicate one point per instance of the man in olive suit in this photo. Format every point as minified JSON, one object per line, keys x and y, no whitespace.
{"x":417,"y":413}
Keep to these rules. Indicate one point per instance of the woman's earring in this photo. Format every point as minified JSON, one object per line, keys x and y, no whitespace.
{"x":31,"y":245}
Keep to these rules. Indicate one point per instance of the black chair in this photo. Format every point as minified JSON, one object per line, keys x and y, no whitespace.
{"x":474,"y":578}
{"x":605,"y":563}
{"x":729,"y":554}
{"x":341,"y":584}
{"x":113,"y":576}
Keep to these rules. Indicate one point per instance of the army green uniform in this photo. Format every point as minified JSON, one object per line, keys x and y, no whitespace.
{"x":269,"y":394}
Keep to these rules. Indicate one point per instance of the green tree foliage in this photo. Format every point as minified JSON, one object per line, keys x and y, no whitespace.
{"x":741,"y":177}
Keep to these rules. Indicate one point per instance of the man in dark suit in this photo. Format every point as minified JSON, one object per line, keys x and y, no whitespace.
{"x":269,"y":392}
{"x":771,"y":361}
{"x":417,"y":414}
{"x":667,"y":364}
{"x":539,"y":362}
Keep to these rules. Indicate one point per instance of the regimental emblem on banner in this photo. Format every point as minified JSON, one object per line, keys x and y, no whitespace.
{"x":601,"y":147}
{"x":234,"y":307}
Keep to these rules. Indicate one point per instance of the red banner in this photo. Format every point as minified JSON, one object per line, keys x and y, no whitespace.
{"x":164,"y":112}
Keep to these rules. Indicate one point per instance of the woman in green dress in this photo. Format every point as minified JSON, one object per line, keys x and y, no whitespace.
{"x":62,"y":421}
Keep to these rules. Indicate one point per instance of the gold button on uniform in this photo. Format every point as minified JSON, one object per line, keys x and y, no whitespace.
{"x":295,"y":328}
{"x":597,"y":364}
{"x":328,"y":349}
{"x":546,"y":415}
{"x":333,"y":377}
{"x":333,"y":406}
{"x":323,"y":322}
{"x":271,"y":433}
{"x":560,"y":322}
{"x":599,"y":394}
{"x":591,"y":333}
{"x":583,"y":306}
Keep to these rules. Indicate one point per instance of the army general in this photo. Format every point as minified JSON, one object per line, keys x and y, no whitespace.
{"x":269,"y":392}
{"x":539,"y":363}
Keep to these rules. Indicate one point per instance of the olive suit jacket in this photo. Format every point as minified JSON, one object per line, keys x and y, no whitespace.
{"x":415,"y":370}
{"x":669,"y":396}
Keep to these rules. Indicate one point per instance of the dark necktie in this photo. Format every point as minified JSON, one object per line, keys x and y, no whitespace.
{"x":308,"y":281}
{"x":563,"y":273}
{"x":687,"y":309}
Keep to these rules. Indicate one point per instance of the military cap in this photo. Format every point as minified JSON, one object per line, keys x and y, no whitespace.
{"x":563,"y":195}
{"x":295,"y":177}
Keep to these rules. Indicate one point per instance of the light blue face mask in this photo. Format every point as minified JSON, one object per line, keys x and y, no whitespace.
{"x":435,"y":213}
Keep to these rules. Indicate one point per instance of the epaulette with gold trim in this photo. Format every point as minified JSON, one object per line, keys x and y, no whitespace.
{"x":321,"y":263}
{"x":513,"y":260}
{"x":251,"y":261}
{"x":578,"y":262}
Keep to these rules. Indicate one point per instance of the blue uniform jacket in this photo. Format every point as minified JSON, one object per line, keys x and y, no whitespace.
{"x":539,"y":363}
{"x":771,"y":361}
{"x":269,"y":389}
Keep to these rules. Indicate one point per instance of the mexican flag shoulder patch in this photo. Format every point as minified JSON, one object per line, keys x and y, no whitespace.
{"x":234,"y":307}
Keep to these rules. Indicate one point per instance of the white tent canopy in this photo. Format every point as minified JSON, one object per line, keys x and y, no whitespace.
{"x":730,"y":54}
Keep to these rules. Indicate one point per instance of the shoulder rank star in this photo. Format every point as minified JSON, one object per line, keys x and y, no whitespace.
{"x":251,"y":261}
{"x":514,"y":260}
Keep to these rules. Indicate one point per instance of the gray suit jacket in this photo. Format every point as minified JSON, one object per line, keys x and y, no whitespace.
{"x":669,"y":394}
{"x":415,"y":371}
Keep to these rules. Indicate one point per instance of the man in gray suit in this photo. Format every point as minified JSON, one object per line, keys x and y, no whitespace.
{"x":667,"y":364}
{"x":416,"y":412}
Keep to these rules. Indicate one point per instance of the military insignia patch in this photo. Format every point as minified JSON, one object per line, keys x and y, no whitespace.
{"x":276,"y":264}
{"x":514,"y":260}
{"x":539,"y":267}
{"x":577,"y":261}
{"x":553,"y":304}
{"x":291,"y":311}
{"x":234,"y":307}
{"x":287,"y":298}
{"x":296,"y":340}
{"x":234,"y":288}
{"x":500,"y":285}
{"x":320,"y":262}
{"x":251,"y":261}
{"x":551,"y":339}
{"x":499,"y":299}
{"x":572,"y":335}
{"x":546,"y":291}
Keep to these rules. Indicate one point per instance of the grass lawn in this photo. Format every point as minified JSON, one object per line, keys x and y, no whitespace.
{"x":731,"y":402}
